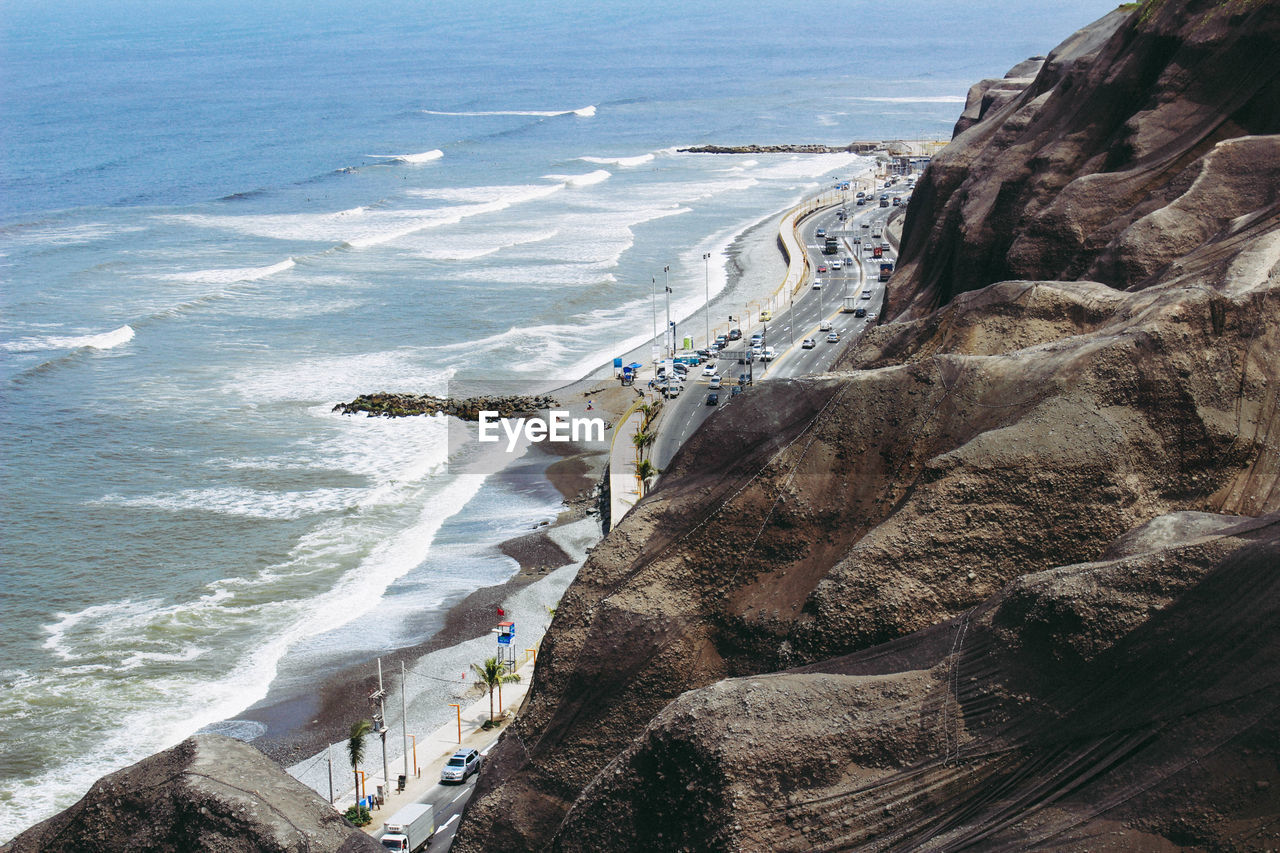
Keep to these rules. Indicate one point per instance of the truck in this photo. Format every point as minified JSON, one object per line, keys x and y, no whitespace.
{"x":850,"y":305}
{"x":885,"y":269}
{"x":831,"y":246}
{"x":410,"y":828}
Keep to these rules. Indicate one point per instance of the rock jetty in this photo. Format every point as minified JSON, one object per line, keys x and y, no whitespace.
{"x":468,"y":409}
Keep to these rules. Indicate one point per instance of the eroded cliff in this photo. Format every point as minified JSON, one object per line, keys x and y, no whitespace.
{"x":940,"y":532}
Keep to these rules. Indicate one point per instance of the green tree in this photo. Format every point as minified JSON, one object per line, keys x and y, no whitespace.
{"x":645,"y":471}
{"x":355,"y":748}
{"x":493,"y":672}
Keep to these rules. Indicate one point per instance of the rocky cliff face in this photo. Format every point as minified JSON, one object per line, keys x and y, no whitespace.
{"x":208,"y":793}
{"x":1120,"y":158}
{"x":1004,"y":576}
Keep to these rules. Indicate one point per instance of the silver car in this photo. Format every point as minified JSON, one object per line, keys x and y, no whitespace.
{"x":460,"y":765}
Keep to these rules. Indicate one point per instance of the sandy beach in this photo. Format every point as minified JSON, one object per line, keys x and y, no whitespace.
{"x":299,"y":727}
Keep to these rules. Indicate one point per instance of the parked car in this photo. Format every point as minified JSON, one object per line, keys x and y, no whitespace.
{"x":809,"y":343}
{"x":461,"y":765}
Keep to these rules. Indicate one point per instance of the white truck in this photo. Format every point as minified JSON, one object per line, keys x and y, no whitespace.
{"x":410,"y":828}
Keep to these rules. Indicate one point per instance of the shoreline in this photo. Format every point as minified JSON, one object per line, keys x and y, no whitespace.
{"x":301,"y":726}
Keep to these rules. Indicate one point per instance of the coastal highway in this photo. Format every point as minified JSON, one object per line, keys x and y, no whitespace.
{"x":448,"y":802}
{"x":810,"y":309}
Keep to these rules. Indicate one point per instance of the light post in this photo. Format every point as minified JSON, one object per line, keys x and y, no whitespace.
{"x":404,"y":725}
{"x":654,"y":302}
{"x":671,"y":347}
{"x":706,"y":307}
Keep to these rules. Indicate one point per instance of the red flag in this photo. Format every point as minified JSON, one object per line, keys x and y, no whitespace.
{"x":501,"y":612}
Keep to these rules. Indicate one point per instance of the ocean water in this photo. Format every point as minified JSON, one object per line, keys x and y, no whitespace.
{"x":218,"y":219}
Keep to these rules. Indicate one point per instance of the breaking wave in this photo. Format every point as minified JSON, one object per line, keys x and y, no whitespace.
{"x":584,"y":112}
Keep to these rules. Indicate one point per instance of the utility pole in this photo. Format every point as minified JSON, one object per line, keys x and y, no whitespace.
{"x":706,"y":306}
{"x":330,"y":774}
{"x":381,"y":719}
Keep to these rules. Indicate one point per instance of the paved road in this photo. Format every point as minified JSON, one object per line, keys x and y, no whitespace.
{"x":811,"y":309}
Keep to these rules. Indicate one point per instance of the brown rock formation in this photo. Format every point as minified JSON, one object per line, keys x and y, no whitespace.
{"x":208,"y":793}
{"x":970,"y":494}
{"x":1115,"y":162}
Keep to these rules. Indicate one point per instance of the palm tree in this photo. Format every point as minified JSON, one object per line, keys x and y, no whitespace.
{"x":641,"y":440}
{"x":355,"y":749}
{"x":645,"y":470}
{"x":493,"y":673}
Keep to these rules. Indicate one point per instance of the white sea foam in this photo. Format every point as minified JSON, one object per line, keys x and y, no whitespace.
{"x":364,"y":227}
{"x":424,"y":157}
{"x":584,"y":112}
{"x":230,"y":276}
{"x":639,"y":160}
{"x":322,"y":379}
{"x":100,"y":341}
{"x":587,"y":180}
{"x":244,"y":503}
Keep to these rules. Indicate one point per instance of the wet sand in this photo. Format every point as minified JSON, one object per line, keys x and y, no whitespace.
{"x":302,"y":726}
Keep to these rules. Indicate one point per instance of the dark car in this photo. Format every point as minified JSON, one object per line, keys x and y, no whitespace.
{"x":860,"y":312}
{"x":713,"y":399}
{"x":735,"y":334}
{"x":737,"y":389}
{"x":742,"y":379}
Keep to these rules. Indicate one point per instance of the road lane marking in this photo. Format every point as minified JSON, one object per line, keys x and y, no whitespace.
{"x":449,"y":821}
{"x":461,"y":794}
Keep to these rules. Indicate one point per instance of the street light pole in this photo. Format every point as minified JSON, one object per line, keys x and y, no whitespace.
{"x":404,"y":716}
{"x":706,"y":308}
{"x":671,"y":347}
{"x":654,"y":301}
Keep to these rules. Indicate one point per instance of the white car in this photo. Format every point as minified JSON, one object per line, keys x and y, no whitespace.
{"x":809,"y":343}
{"x":817,"y":284}
{"x":715,"y":383}
{"x":833,"y":338}
{"x":709,"y":369}
{"x":768,"y":354}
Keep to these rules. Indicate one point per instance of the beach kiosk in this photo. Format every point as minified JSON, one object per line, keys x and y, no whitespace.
{"x":506,"y":644}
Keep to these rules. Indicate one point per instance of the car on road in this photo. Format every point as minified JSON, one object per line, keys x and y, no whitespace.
{"x":861,"y":194}
{"x":756,"y":339}
{"x":709,"y":369}
{"x":871,"y":315}
{"x":866,"y":294}
{"x":817,"y":284}
{"x":715,"y":382}
{"x":704,"y":354}
{"x":768,"y":354}
{"x":860,"y":312}
{"x":737,"y":389}
{"x":824,"y":326}
{"x":766,"y":316}
{"x":735,"y":334}
{"x":721,"y":341}
{"x":866,"y":225}
{"x":833,"y":338}
{"x":861,"y":202}
{"x":462,"y":764}
{"x":809,"y":343}
{"x":835,"y":265}
{"x":713,"y":399}
{"x":757,"y":351}
{"x":743,"y":379}
{"x":822,"y":232}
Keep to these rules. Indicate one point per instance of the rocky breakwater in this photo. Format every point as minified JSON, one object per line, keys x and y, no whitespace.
{"x":468,"y":409}
{"x":1005,"y":575}
{"x":208,"y":794}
